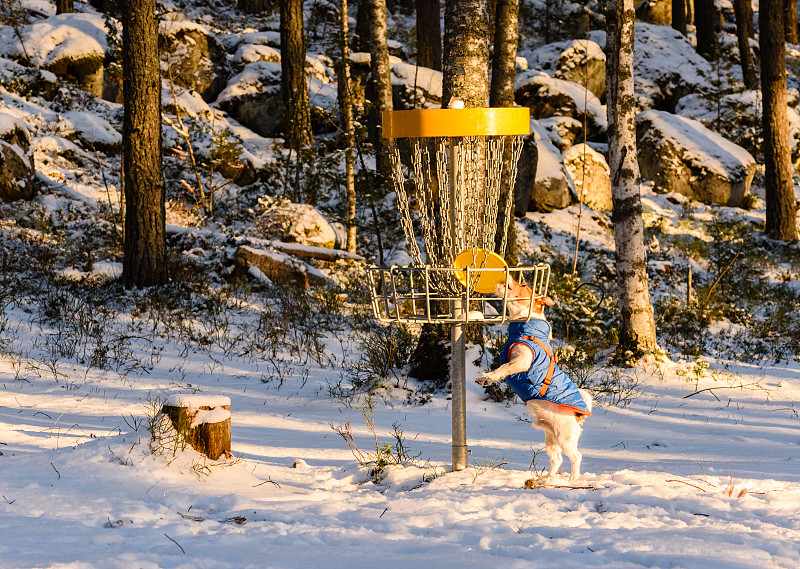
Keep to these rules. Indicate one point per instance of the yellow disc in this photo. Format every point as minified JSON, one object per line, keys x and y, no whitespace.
{"x":457,"y":122}
{"x":479,"y":259}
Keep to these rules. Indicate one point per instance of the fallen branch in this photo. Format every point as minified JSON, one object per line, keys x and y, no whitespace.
{"x":176,"y":543}
{"x":712,"y":389}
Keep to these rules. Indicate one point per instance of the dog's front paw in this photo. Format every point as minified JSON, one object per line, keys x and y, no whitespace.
{"x":488,"y":378}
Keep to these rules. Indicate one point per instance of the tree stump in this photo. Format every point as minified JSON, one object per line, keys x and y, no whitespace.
{"x":203,"y":422}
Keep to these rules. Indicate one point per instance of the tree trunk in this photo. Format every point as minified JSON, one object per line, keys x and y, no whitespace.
{"x":346,"y":114}
{"x":466,"y":53}
{"x":790,"y":20}
{"x":706,"y":29}
{"x":429,"y":34}
{"x":255,"y":6}
{"x":501,"y":94}
{"x":65,"y":6}
{"x":145,"y":249}
{"x":637,"y":326}
{"x":778,"y":171}
{"x":679,"y":15}
{"x":743,"y":10}
{"x":380,"y":84}
{"x":294,"y":86}
{"x":210,"y":439}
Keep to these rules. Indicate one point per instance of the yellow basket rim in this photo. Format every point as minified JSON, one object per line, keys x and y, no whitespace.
{"x":423,"y":123}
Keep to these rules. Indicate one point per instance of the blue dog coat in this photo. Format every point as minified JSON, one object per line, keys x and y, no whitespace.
{"x":528,"y":384}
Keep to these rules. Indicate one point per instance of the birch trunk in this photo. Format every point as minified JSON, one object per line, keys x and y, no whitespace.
{"x":380,"y":81}
{"x":145,"y":248}
{"x":778,"y":170}
{"x":346,"y":113}
{"x":637,"y":326}
{"x":466,"y":53}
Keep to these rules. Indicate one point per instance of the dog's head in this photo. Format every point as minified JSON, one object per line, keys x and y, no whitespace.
{"x":518,"y":300}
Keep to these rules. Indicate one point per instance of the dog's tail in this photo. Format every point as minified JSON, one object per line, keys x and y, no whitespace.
{"x":587,"y":398}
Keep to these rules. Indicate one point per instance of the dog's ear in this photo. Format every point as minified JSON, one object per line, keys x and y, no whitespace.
{"x":545,"y":300}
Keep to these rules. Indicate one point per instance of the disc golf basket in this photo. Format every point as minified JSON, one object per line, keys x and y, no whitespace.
{"x":455,"y":163}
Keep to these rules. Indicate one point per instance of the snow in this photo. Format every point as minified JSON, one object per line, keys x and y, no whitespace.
{"x":90,"y":128}
{"x":65,"y":36}
{"x":429,"y":80}
{"x":667,"y":478}
{"x":195,"y":402}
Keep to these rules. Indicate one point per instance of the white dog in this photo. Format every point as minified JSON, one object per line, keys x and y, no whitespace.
{"x":529,"y":367}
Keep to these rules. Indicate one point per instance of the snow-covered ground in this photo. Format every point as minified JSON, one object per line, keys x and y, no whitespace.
{"x":672,"y":478}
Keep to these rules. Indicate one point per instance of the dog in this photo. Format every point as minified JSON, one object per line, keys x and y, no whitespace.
{"x":531,"y":369}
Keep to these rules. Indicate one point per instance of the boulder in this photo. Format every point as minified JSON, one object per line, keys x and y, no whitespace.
{"x":550,"y":187}
{"x":583,"y":62}
{"x":16,"y":161}
{"x":293,"y":223}
{"x":681,"y":155}
{"x":250,"y":53}
{"x":90,"y":129}
{"x":415,"y":87}
{"x":280,"y":267}
{"x":562,"y":131}
{"x":666,"y":66}
{"x":253,"y":98}
{"x":548,"y":97}
{"x":72,"y":46}
{"x":192,"y":56}
{"x":658,"y":12}
{"x":590,"y":175}
{"x":26,"y":81}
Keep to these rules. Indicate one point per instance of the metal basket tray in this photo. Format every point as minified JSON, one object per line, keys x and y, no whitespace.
{"x":414,"y":294}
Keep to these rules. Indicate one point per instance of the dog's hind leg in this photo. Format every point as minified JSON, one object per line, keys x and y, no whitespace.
{"x":574,"y":456}
{"x":553,"y":452}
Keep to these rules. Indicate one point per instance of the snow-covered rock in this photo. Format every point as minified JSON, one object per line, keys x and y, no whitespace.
{"x":562,"y":131}
{"x":548,"y":97}
{"x":415,"y":87}
{"x":192,"y":56}
{"x":666,"y":66}
{"x":583,"y":62}
{"x":294,"y":223}
{"x":16,"y":162}
{"x":250,"y":53}
{"x":253,"y":97}
{"x":590,"y":175}
{"x":552,"y":187}
{"x":27,"y":81}
{"x":72,"y":46}
{"x":681,"y":155}
{"x":91,"y":129}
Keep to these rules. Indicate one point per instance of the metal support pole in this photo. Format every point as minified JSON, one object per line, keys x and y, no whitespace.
{"x":458,"y":348}
{"x":458,"y":389}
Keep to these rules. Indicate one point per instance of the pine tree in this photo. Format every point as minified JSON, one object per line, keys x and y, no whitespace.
{"x":778,"y":170}
{"x":429,"y":34}
{"x":743,"y":11}
{"x":65,"y":6}
{"x":144,"y":261}
{"x":637,"y":325}
{"x":294,"y":87}
{"x":501,"y":94}
{"x":790,"y":20}
{"x":704,"y":16}
{"x":679,"y":15}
